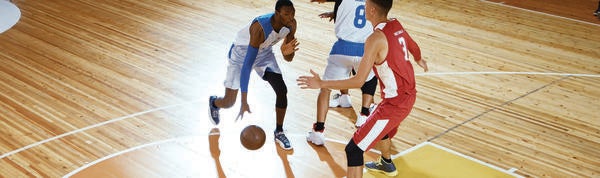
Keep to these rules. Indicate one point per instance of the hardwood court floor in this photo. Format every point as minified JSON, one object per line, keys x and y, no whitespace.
{"x":82,"y":80}
{"x":576,"y":9}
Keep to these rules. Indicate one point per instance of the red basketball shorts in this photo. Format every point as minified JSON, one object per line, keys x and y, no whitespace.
{"x":384,"y":120}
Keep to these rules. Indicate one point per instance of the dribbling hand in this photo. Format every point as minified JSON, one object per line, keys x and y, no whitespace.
{"x":243,"y":108}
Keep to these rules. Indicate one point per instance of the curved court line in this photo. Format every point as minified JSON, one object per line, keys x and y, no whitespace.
{"x":507,"y":73}
{"x":162,"y":142}
{"x":196,"y":101}
{"x":514,"y":7}
{"x":123,"y":152}
{"x":93,"y":126}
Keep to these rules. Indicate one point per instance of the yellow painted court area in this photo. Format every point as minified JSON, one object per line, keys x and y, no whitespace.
{"x":428,"y":160}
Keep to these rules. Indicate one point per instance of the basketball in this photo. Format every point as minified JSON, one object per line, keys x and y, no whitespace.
{"x":252,"y":137}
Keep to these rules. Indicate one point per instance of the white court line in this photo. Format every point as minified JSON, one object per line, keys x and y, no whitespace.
{"x":507,"y":73}
{"x":92,"y":126}
{"x":196,"y":101}
{"x":122,"y":152}
{"x":79,"y":169}
{"x":510,"y":171}
{"x":514,"y":7}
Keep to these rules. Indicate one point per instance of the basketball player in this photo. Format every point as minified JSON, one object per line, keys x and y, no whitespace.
{"x":352,"y":29}
{"x":343,"y":98}
{"x":252,"y":50}
{"x":386,"y":52}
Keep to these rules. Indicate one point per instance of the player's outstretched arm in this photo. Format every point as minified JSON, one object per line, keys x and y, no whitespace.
{"x":375,"y":52}
{"x":256,"y":38}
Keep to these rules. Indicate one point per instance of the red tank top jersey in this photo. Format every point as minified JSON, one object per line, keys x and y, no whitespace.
{"x":396,"y":74}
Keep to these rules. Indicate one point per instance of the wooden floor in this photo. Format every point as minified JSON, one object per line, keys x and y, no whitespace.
{"x":84,"y":82}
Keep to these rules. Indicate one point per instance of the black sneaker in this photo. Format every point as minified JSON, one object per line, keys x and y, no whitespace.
{"x":283,"y":141}
{"x":597,"y":12}
{"x":381,"y":166}
{"x":213,"y":111}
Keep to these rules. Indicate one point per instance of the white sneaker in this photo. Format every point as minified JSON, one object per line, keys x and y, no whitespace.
{"x":335,"y":101}
{"x":360,"y":120}
{"x":316,"y":138}
{"x":345,"y":101}
{"x":372,"y":107}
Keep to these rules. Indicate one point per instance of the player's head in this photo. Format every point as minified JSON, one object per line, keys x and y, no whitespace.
{"x":378,"y":8}
{"x":285,"y":11}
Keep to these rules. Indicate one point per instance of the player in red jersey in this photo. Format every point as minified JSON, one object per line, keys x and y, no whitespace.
{"x":386,"y":52}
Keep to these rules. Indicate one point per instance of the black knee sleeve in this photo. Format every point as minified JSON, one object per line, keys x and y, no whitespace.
{"x":354,"y":155}
{"x":278,"y":85}
{"x":369,"y":87}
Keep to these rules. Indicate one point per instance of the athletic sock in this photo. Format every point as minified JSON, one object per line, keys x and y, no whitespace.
{"x":279,"y":128}
{"x":365,"y":111}
{"x":319,"y":126}
{"x":386,"y":160}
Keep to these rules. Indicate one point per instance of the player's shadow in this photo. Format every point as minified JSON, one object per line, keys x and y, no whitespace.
{"x":284,"y":159}
{"x":349,"y":113}
{"x":215,"y":152}
{"x":324,"y":155}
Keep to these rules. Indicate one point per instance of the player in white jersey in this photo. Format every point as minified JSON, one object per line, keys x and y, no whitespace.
{"x":252,"y":50}
{"x":352,"y":29}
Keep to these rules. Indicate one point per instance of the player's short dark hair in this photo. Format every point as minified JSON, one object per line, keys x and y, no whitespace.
{"x":384,"y":5}
{"x":281,"y":3}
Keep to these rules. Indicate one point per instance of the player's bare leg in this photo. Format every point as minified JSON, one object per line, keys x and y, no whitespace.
{"x":215,"y":103}
{"x":316,"y":135}
{"x":344,"y":91}
{"x":381,"y":165}
{"x":322,"y":104}
{"x":228,"y":100}
{"x":355,"y":172}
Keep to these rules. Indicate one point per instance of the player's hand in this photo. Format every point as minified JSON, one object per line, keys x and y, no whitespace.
{"x":319,"y":1}
{"x":423,"y":64}
{"x":290,"y":47}
{"x":243,"y":108}
{"x":313,"y":82}
{"x":329,"y":15}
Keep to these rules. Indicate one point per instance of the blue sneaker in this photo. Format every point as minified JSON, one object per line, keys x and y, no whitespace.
{"x":214,"y":111}
{"x":381,"y":166}
{"x":283,"y":141}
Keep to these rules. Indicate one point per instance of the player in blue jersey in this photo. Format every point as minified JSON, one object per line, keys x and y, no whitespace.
{"x":252,"y":50}
{"x":351,"y":29}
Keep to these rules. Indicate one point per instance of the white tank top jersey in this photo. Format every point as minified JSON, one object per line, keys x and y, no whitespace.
{"x":272,"y":37}
{"x":351,"y":22}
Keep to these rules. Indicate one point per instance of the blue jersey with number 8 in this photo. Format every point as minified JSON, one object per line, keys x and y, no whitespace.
{"x":351,"y":22}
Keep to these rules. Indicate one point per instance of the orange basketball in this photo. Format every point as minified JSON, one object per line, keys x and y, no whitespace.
{"x":252,"y":137}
